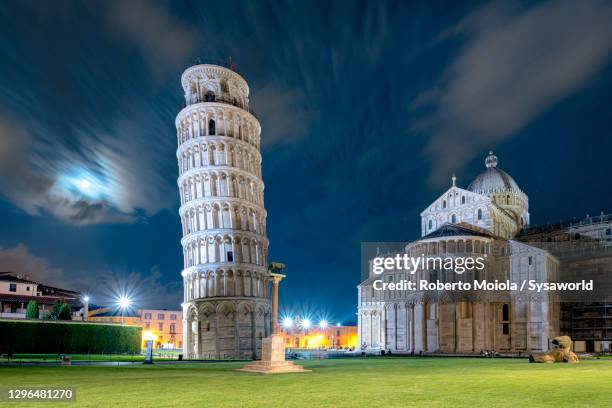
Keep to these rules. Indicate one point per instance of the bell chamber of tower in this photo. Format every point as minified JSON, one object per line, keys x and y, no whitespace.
{"x":226,"y":307}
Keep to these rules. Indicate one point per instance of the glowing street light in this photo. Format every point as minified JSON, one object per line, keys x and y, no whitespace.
{"x":287,"y":322}
{"x":323,"y":324}
{"x":306,"y":323}
{"x":85,"y":314}
{"x":338,"y":324}
{"x":124,"y":303}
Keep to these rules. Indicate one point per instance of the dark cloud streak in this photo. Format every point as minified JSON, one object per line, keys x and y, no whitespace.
{"x":514,"y":65}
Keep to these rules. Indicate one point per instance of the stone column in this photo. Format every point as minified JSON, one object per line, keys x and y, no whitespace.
{"x":276,"y":278}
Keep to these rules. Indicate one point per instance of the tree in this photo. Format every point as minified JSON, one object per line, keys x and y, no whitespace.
{"x":65,"y":312}
{"x":61,"y":311}
{"x":32,"y":310}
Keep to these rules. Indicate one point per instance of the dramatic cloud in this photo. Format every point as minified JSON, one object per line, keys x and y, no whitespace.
{"x":21,"y":261}
{"x":32,"y":188}
{"x":515,"y":64}
{"x":162,"y":39}
{"x":33,"y":181}
{"x":282,"y":112}
{"x":98,"y":125}
{"x":17,"y":180}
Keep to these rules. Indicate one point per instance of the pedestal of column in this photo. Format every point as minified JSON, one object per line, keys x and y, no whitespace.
{"x":273,"y":347}
{"x":273,"y":358}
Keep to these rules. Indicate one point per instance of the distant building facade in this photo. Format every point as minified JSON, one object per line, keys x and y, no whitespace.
{"x":162,"y":326}
{"x":328,"y":338}
{"x":583,"y":247}
{"x":16,"y":291}
{"x":114,"y":315}
{"x":489,"y":218}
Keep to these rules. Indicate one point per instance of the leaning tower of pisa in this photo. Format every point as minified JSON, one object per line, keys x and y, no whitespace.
{"x":226,"y":308}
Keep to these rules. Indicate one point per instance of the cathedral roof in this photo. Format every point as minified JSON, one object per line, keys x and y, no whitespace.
{"x":493,"y":179}
{"x":450,"y":230}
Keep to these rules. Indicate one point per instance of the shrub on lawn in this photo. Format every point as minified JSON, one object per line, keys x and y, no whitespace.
{"x":67,"y":338}
{"x":32,"y":310}
{"x":61,"y":311}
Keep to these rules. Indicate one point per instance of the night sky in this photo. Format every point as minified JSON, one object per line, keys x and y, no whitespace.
{"x":366,"y":108}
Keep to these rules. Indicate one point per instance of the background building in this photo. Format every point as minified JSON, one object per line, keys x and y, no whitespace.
{"x":165,"y":327}
{"x":226,"y":308}
{"x":162,"y":326}
{"x":584,"y":248}
{"x":330,"y":337}
{"x":114,"y":315}
{"x":16,"y":291}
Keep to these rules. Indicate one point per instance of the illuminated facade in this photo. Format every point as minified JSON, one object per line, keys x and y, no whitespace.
{"x":162,"y":326}
{"x":226,"y":307}
{"x":331,"y":337}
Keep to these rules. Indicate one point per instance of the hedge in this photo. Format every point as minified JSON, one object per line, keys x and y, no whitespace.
{"x":31,"y":336}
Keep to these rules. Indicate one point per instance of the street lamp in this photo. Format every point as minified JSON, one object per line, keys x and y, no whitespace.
{"x":287,"y":322}
{"x":124,"y":303}
{"x":323,"y":324}
{"x":306,"y":323}
{"x":85,"y":307}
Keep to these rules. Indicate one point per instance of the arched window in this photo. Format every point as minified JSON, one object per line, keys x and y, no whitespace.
{"x":454,"y":219}
{"x":430,"y":224}
{"x":479,"y":214}
{"x":508,"y":199}
{"x":211,"y":127}
{"x":443,"y":203}
{"x":210,"y":96}
{"x":462,"y":199}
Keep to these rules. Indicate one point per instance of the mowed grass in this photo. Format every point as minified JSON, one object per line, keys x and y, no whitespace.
{"x":369,"y":382}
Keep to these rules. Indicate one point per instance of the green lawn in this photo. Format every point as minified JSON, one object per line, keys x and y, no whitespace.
{"x":159,"y":354}
{"x":371,"y":382}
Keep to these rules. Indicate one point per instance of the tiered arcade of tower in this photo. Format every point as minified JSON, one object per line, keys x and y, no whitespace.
{"x":226,"y":306}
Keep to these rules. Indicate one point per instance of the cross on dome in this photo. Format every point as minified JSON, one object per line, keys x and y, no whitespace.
{"x":491,"y":160}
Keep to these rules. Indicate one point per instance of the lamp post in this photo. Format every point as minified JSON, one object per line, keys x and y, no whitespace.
{"x":124,"y":303}
{"x":85,"y":308}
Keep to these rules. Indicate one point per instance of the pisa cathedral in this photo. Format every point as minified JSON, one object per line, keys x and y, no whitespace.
{"x":489,"y":219}
{"x":226,"y":308}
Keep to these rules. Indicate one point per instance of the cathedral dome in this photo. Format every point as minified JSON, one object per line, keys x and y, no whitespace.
{"x":493,"y":179}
